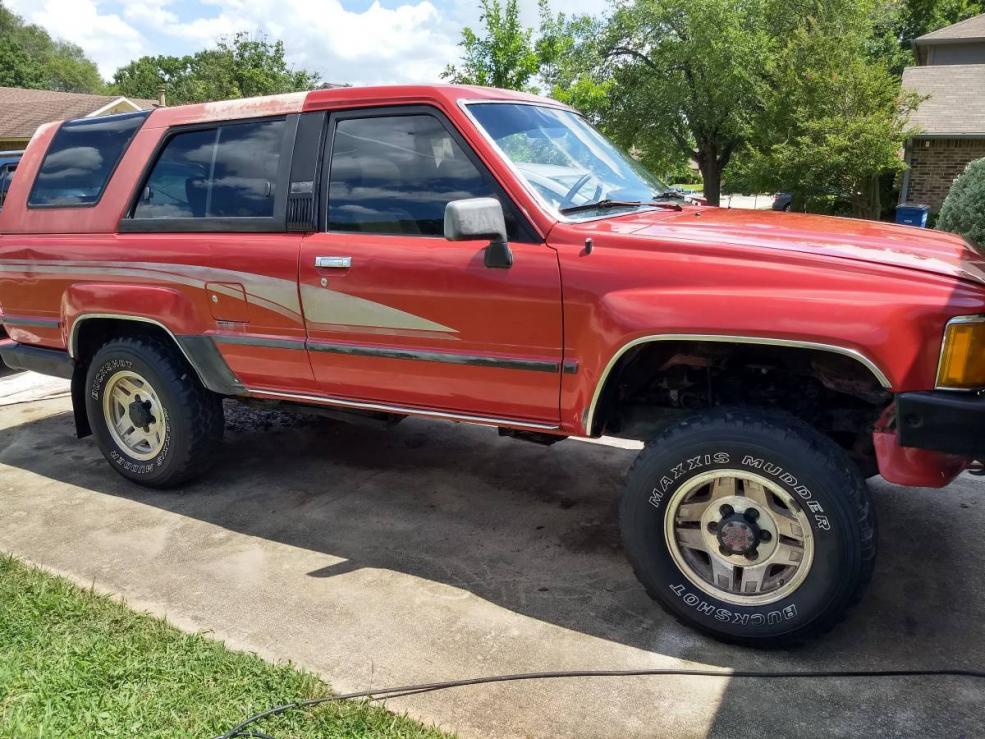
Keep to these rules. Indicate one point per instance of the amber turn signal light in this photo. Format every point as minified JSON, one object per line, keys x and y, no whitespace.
{"x":962,"y":364}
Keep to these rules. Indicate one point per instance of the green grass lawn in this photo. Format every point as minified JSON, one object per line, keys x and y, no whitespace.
{"x":77,"y":664}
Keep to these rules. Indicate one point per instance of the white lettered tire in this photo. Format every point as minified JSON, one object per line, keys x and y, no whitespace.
{"x":749,"y":526}
{"x":151,"y":417}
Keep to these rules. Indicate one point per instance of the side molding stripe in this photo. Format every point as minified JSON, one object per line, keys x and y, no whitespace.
{"x":29,"y":321}
{"x":259,"y":341}
{"x":475,"y":360}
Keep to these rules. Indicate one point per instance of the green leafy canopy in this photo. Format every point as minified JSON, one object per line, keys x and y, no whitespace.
{"x":31,"y":58}
{"x":240,"y":66}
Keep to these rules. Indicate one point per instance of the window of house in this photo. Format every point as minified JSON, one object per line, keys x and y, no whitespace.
{"x":81,"y":158}
{"x":225,"y":172}
{"x":394,"y":175}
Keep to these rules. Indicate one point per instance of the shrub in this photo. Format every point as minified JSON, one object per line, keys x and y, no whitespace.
{"x":963,"y":211}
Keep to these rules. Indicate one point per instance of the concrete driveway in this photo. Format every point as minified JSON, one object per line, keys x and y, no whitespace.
{"x":429,"y":551}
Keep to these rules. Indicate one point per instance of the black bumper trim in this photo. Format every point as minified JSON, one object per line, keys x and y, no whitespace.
{"x":942,"y":421}
{"x":53,"y":362}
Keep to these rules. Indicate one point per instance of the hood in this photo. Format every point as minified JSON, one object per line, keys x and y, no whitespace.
{"x":859,"y":240}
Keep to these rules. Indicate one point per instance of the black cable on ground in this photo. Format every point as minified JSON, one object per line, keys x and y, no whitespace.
{"x":241,"y":728}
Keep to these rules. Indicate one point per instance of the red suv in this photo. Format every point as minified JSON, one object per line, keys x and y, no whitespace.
{"x":487,"y":257}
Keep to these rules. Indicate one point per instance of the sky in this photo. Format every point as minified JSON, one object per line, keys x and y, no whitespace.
{"x":353,"y":41}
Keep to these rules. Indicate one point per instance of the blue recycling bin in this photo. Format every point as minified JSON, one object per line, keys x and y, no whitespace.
{"x":910,"y":214}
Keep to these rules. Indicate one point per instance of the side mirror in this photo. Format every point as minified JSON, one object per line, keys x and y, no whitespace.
{"x":480,"y":218}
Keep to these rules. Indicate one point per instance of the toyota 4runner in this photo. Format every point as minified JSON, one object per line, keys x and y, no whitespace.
{"x":487,"y":257}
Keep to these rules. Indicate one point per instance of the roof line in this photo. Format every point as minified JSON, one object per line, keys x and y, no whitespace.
{"x":113,"y":104}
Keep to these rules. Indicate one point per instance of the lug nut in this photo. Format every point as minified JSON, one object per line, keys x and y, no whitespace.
{"x":712,"y":527}
{"x":765,"y":536}
{"x":724,"y":550}
{"x":752,"y":555}
{"x":726,"y":510}
{"x":751,"y":515}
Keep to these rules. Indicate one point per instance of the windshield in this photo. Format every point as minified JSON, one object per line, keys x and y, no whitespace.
{"x":566,"y":161}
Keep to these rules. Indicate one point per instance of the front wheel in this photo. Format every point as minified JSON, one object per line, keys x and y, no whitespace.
{"x":749,"y":526}
{"x":152,"y":419}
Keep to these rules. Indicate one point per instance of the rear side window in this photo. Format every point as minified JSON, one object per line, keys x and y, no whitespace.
{"x":81,"y":158}
{"x":395,"y":174}
{"x":225,"y":172}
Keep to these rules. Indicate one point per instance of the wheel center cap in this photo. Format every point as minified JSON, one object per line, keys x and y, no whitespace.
{"x":737,"y":535}
{"x":140,"y":415}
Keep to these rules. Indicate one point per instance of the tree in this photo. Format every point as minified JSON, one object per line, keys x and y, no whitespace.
{"x":898,"y":22}
{"x":963,"y":211}
{"x":239,"y":66}
{"x":31,"y":58}
{"x":685,"y":80}
{"x":503,"y":56}
{"x":832,"y":119}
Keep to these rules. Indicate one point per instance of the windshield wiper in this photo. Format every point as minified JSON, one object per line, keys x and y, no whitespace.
{"x":602,"y":205}
{"x":659,"y":200}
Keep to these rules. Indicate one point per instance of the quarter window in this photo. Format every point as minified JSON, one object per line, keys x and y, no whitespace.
{"x":81,"y":158}
{"x":394,"y":175}
{"x":225,"y":172}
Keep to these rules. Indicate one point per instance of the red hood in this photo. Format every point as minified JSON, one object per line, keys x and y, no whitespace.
{"x":845,"y":238}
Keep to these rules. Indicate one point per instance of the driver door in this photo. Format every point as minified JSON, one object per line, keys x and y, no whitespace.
{"x":395,"y":314}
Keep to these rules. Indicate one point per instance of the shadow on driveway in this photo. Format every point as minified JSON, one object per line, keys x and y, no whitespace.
{"x":532,"y":529}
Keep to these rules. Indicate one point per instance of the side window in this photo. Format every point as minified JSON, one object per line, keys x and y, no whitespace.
{"x":81,"y":158}
{"x":394,"y":175}
{"x":6,"y":175}
{"x":225,"y":172}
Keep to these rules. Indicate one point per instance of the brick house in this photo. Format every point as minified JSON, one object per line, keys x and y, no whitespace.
{"x":22,"y":111}
{"x":950,"y":75}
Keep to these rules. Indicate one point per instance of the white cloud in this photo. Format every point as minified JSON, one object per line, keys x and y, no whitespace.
{"x":149,"y":13}
{"x":410,"y":42}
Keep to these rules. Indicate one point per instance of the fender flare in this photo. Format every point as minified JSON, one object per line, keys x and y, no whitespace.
{"x":200,"y":352}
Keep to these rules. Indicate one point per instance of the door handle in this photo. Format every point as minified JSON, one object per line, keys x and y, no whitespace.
{"x":333,"y":262}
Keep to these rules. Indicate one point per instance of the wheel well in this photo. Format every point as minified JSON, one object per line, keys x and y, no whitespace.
{"x":92,"y":333}
{"x":656,"y":383}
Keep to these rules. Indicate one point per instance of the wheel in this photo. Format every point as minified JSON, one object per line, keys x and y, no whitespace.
{"x":152,"y":419}
{"x":750,"y":526}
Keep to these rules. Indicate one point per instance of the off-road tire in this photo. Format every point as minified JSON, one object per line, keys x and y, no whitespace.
{"x":778,"y":446}
{"x":194,"y":414}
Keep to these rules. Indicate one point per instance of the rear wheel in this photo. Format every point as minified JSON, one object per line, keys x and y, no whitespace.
{"x":751,"y":527}
{"x":151,"y":417}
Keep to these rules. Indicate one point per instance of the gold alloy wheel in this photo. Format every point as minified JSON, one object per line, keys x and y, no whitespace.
{"x":134,"y":415}
{"x":739,"y":537}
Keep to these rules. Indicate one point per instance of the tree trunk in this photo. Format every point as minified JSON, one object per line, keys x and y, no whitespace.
{"x":866,"y":202}
{"x":711,"y":173}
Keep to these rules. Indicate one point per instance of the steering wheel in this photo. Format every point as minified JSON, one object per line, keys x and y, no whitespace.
{"x":570,"y":195}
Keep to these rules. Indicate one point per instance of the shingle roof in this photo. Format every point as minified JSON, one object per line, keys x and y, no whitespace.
{"x":955,"y":103}
{"x":22,"y":111}
{"x":970,"y":28}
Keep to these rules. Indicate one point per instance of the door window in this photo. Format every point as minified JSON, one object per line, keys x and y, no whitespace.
{"x":395,"y":174}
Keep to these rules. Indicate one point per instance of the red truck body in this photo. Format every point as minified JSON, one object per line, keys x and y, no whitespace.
{"x":877,"y":292}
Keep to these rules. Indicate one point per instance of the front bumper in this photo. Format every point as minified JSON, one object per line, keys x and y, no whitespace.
{"x":942,"y":421}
